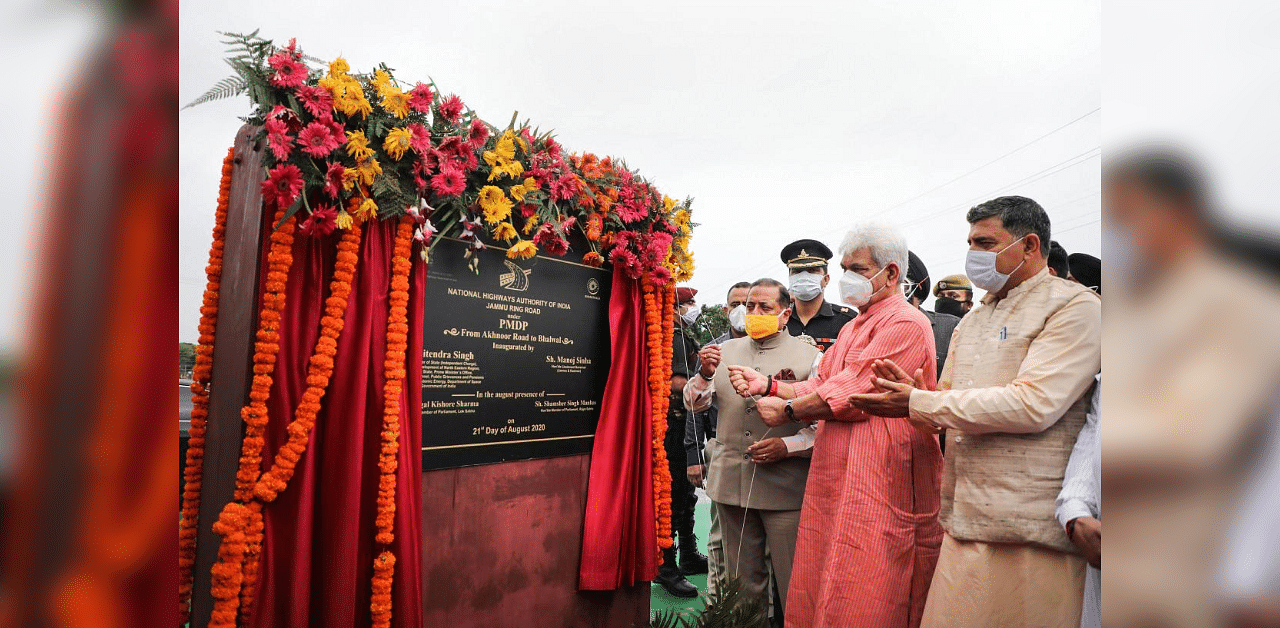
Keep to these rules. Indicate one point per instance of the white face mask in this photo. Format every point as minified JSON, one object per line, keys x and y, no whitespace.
{"x":691,"y":315}
{"x":806,"y":286}
{"x":980,"y":266}
{"x":738,"y":319}
{"x":856,"y":290}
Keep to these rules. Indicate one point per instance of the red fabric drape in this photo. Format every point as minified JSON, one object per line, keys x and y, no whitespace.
{"x":317,"y":557}
{"x":619,"y":540}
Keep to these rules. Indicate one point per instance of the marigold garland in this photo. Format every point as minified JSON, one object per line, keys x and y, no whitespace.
{"x":657,"y":308}
{"x":266,"y":349}
{"x":394,"y":372}
{"x":193,"y":474}
{"x":320,"y":369}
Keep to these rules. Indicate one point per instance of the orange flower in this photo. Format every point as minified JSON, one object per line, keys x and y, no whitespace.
{"x":593,"y":259}
{"x":193,"y":473}
{"x":659,"y":326}
{"x":319,"y":370}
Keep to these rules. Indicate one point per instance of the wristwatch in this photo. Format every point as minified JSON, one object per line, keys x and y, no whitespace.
{"x":791,"y":412}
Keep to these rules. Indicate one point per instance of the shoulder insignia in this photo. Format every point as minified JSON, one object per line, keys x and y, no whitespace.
{"x":808,"y":340}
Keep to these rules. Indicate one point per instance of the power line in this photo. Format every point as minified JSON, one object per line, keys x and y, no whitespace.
{"x":1029,"y":179}
{"x":942,"y":185}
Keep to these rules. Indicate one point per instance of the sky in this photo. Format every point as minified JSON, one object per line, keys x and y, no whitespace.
{"x":782,"y":121}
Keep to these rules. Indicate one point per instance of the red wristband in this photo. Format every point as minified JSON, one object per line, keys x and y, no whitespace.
{"x":773,"y":387}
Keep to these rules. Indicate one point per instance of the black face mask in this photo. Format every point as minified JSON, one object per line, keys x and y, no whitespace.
{"x":943,"y":305}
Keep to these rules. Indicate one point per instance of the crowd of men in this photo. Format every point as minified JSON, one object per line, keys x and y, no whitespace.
{"x":873,"y":463}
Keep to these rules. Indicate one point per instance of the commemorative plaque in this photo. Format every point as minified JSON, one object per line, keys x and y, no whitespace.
{"x":515,"y":357}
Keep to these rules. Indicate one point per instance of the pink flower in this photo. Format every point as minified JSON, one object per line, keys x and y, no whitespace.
{"x":657,"y":249}
{"x":283,"y":184}
{"x":278,"y":138}
{"x":527,"y":135}
{"x":322,"y":222}
{"x":450,"y":108}
{"x":478,"y":133}
{"x":420,"y":98}
{"x":630,"y":211}
{"x":318,"y":140}
{"x":450,"y":181}
{"x":553,"y":148}
{"x":564,"y":188}
{"x":451,"y":146}
{"x":288,"y":72}
{"x":421,"y":142}
{"x":550,"y":241}
{"x":339,"y":130}
{"x":661,"y":275}
{"x":316,"y":100}
{"x":333,"y":180}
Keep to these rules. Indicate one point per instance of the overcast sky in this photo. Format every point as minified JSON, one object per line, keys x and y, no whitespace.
{"x":783,"y":122}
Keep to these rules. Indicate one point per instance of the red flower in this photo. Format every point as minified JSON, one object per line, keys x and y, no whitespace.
{"x":288,"y":72}
{"x":283,"y":185}
{"x":658,"y":247}
{"x":626,"y":260}
{"x":321,"y":223}
{"x":478,"y":133}
{"x":286,"y":115}
{"x":450,"y":108}
{"x":450,"y":181}
{"x":550,"y":241}
{"x":333,"y":180}
{"x":278,"y":138}
{"x":451,"y":146}
{"x":420,"y":98}
{"x":421,"y":141}
{"x":564,"y":188}
{"x":316,"y":100}
{"x":339,"y":131}
{"x":661,"y":276}
{"x":631,"y":211}
{"x":318,"y":140}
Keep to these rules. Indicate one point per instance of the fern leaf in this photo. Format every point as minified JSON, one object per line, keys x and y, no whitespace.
{"x":226,"y":88}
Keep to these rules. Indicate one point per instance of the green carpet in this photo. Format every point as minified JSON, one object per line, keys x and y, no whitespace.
{"x":659,"y":599}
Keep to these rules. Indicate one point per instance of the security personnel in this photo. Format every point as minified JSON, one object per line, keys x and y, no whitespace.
{"x":954,"y":291}
{"x":806,"y":262}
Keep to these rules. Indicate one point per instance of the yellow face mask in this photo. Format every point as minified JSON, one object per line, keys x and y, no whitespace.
{"x":761,"y":325}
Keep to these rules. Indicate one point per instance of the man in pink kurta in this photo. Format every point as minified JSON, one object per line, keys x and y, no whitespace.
{"x":869,"y":535}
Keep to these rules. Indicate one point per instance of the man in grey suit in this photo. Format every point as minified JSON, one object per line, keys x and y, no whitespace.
{"x":757,"y":474}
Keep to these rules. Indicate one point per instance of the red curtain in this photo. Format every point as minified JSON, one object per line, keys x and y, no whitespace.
{"x":317,"y":561}
{"x":619,"y":540}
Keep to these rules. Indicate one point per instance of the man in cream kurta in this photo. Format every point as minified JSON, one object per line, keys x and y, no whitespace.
{"x":1012,"y":397}
{"x":757,"y":474}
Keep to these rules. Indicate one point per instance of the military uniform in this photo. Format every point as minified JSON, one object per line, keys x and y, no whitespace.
{"x":825,"y":326}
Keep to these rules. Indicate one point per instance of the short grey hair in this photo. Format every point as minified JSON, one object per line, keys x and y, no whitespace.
{"x":885,"y":243}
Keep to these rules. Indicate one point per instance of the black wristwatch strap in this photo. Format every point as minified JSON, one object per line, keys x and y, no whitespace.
{"x":791,"y":412}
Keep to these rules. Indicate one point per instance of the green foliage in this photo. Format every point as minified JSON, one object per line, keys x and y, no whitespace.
{"x":247,"y":54}
{"x":186,"y":359}
{"x":711,"y":324}
{"x":729,"y":608}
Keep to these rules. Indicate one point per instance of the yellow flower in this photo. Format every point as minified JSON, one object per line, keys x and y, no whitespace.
{"x":395,"y":102}
{"x":511,"y":170}
{"x":358,"y":145}
{"x":530,"y":225}
{"x":523,"y":249}
{"x":368,"y":210}
{"x":397,"y":143}
{"x":339,"y":67}
{"x":504,"y":231}
{"x":369,"y":168}
{"x":506,"y":147}
{"x":496,"y":205}
{"x":349,"y":178}
{"x":667,"y":203}
{"x":344,"y":220}
{"x":352,"y":100}
{"x":519,"y":190}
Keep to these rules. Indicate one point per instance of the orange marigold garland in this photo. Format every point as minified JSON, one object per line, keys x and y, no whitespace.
{"x":657,"y":309}
{"x":319,"y":370}
{"x":394,"y":372}
{"x":663,"y":499}
{"x":265,"y":352}
{"x":228,"y":575}
{"x":193,"y":474}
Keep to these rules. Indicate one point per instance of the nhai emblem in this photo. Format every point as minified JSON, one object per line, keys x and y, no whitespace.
{"x":517,"y":279}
